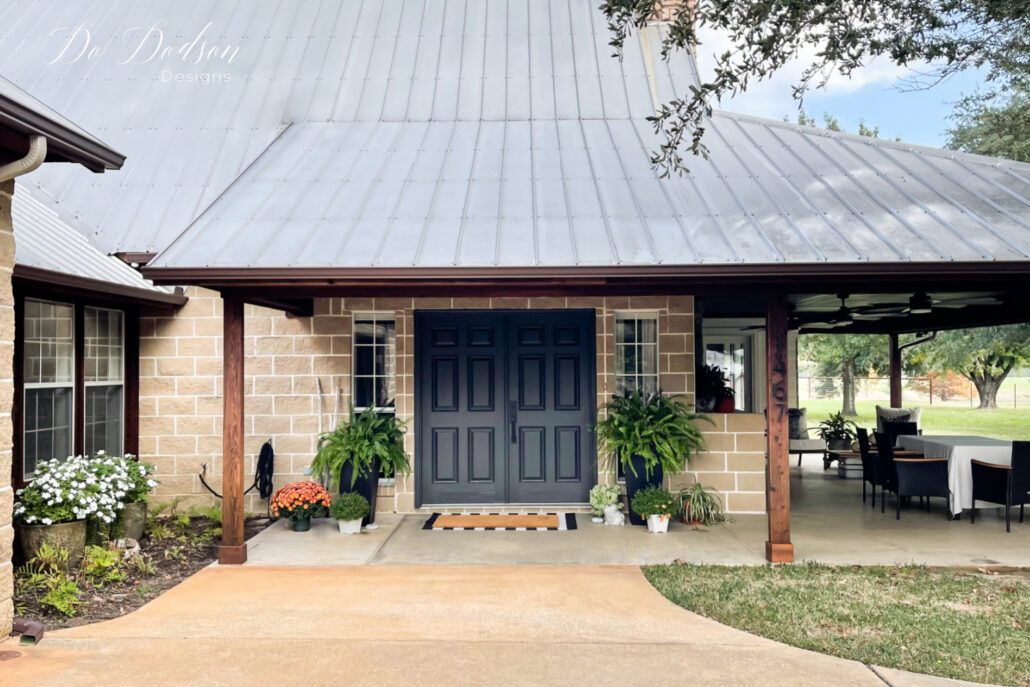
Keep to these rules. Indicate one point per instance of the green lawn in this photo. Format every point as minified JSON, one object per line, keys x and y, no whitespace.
{"x":1003,"y":423}
{"x":944,"y":622}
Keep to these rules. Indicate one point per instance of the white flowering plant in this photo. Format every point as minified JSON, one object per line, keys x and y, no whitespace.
{"x":82,"y":488}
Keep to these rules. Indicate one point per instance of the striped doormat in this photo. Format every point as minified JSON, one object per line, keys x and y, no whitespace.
{"x":530,"y":522}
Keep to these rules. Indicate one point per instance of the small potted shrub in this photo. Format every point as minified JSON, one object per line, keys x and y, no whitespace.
{"x":359,"y":451}
{"x":63,"y":498}
{"x":838,"y":432}
{"x":601,"y":496}
{"x":298,"y":502}
{"x":348,"y":510}
{"x":700,"y":506}
{"x":656,"y":505}
{"x":650,"y":436}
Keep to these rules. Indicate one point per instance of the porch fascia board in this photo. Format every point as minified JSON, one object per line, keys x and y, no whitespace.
{"x":782,"y":276}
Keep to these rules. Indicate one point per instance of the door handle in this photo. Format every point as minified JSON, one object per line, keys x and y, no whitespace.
{"x":513,"y":415}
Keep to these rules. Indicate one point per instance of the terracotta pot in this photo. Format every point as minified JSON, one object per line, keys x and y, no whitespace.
{"x":687,"y":520}
{"x":726,"y":405}
{"x":134,"y":520}
{"x":70,"y":536}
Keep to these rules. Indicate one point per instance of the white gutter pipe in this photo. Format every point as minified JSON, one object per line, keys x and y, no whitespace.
{"x":32,"y":160}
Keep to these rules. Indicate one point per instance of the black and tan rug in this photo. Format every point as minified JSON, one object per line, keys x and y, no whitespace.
{"x":525,"y":522}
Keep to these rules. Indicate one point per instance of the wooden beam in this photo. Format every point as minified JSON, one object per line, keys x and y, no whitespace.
{"x":778,"y":548}
{"x":895,"y":371}
{"x":233,"y":550}
{"x":293,"y":307}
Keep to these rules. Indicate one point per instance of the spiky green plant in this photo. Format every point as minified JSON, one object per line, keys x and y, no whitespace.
{"x":661,"y":429}
{"x":360,"y":441}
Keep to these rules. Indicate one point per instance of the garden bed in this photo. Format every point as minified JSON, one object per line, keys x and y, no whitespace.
{"x":176,"y":545}
{"x":965,"y":624}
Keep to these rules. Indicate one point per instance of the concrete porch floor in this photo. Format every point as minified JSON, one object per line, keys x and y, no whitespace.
{"x":830,"y":524}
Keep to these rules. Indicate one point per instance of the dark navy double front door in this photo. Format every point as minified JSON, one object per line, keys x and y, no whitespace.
{"x":505,"y":405}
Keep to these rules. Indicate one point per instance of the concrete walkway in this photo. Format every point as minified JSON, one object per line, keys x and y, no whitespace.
{"x":413,"y":625}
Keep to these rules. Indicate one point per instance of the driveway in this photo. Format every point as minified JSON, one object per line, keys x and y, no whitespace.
{"x":414,"y":625}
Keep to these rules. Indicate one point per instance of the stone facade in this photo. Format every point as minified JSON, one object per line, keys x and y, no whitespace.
{"x":6,"y":400}
{"x":733,"y":463}
{"x":289,"y":359}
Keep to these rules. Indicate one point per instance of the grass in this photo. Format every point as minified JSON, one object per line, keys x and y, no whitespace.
{"x":1003,"y":423}
{"x":944,"y":622}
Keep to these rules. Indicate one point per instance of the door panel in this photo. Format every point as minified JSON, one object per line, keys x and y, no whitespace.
{"x":460,"y":384}
{"x":504,"y":406}
{"x":551,"y":356}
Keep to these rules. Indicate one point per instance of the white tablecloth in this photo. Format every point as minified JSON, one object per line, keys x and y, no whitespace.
{"x":960,"y":451}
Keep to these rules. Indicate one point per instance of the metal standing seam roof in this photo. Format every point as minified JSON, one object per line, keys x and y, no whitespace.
{"x":45,"y":241}
{"x":492,"y":133}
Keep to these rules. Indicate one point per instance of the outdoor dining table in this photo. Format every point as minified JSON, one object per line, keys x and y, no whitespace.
{"x":960,"y":452}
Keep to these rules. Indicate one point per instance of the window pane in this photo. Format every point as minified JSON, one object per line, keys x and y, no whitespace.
{"x":363,"y":332}
{"x":363,"y":360}
{"x":363,"y":392}
{"x":649,"y":360}
{"x":636,"y":354}
{"x":103,"y":419}
{"x":103,"y":341}
{"x":374,"y":362}
{"x":49,"y":347}
{"x":625,"y":331}
{"x":48,"y":426}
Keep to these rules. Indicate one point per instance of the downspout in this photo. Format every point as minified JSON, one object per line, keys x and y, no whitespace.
{"x":32,"y":160}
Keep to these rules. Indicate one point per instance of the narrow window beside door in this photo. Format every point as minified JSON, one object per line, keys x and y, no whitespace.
{"x":374,"y":355}
{"x":636,"y":353}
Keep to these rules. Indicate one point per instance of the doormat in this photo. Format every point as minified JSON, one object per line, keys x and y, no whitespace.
{"x":532,"y":522}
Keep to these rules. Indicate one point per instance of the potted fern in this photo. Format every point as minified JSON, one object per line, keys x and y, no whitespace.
{"x":348,"y":510}
{"x":359,"y":451}
{"x":649,"y":436}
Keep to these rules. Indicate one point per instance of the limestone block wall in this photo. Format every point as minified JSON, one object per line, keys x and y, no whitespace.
{"x":6,"y":400}
{"x":288,"y":358}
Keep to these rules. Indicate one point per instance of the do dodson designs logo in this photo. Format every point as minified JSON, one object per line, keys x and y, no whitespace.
{"x":197,"y":60}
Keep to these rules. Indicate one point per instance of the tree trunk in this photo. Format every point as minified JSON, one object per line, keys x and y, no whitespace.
{"x":987,"y":387}
{"x":848,"y":387}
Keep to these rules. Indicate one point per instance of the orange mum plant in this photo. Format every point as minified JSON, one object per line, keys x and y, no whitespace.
{"x":299,"y":500}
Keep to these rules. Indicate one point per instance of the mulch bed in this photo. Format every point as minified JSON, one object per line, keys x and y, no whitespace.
{"x":174,"y":560}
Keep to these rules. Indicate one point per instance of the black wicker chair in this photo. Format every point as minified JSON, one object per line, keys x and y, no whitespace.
{"x":922,"y":477}
{"x":885,"y":473}
{"x":893,"y":430}
{"x":870,"y":471}
{"x":1008,"y":485}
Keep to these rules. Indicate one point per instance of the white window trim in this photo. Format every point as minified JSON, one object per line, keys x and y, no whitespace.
{"x":28,"y":386}
{"x":638,"y":315}
{"x":121,"y":376}
{"x":641,"y":315}
{"x":375,"y":316}
{"x":746,"y":341}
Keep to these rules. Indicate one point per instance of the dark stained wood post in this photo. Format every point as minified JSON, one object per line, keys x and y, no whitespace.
{"x":233,"y":550}
{"x":778,"y":548}
{"x":895,"y":371}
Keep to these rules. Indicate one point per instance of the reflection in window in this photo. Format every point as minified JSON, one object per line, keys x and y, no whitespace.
{"x":636,"y":353}
{"x":374,"y":362}
{"x":732,"y":355}
{"x":104,"y":378}
{"x":48,"y":370}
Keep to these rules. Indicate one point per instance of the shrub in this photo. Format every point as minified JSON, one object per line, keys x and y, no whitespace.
{"x":299,"y":500}
{"x":653,"y":501}
{"x":101,"y":565}
{"x":602,"y":495}
{"x":350,"y":506}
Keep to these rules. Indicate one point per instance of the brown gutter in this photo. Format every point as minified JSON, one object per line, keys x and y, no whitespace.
{"x":133,"y":294}
{"x":873,"y":277}
{"x":64,"y":143}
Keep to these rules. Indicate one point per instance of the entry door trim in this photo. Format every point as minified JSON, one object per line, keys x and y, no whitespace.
{"x":590,"y":458}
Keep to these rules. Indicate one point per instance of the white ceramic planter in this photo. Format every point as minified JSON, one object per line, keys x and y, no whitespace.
{"x":349,"y":526}
{"x":658,"y":524}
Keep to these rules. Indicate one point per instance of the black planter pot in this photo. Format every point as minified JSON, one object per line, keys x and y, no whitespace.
{"x":635,"y":483}
{"x":366,"y":485}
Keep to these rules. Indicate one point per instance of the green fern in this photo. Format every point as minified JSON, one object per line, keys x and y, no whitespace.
{"x":360,"y":441}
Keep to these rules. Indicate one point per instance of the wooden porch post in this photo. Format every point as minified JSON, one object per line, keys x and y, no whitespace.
{"x":895,"y":371}
{"x":778,"y":548}
{"x":233,"y":550}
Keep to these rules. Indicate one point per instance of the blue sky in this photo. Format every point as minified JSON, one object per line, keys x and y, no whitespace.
{"x":876,"y":93}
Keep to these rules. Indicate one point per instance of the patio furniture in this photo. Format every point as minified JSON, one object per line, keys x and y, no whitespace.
{"x":885,"y":472}
{"x":921,"y":477}
{"x":799,"y":440}
{"x":1003,"y":484}
{"x":893,"y":430}
{"x":870,"y":464}
{"x":884,"y":416}
{"x":849,"y":463}
{"x":960,"y":452}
